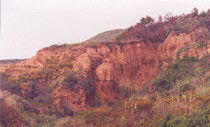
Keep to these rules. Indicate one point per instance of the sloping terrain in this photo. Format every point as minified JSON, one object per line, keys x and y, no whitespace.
{"x":149,"y":75}
{"x":108,"y":36}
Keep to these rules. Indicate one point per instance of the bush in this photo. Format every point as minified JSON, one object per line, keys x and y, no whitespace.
{"x":200,"y":118}
{"x":74,"y":79}
{"x":70,"y":81}
{"x":96,"y":102}
{"x":32,"y":91}
{"x":202,"y":14}
{"x":9,"y":116}
{"x":125,"y":92}
{"x":163,"y":122}
{"x":185,"y":87}
{"x":205,"y":63}
{"x":9,"y":83}
{"x":177,"y":71}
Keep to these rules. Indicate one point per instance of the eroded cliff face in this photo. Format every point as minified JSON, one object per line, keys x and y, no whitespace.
{"x":116,"y":65}
{"x":54,"y":54}
{"x":112,"y":65}
{"x":168,"y":50}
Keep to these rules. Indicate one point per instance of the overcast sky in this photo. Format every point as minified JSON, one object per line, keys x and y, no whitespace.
{"x":29,"y":25}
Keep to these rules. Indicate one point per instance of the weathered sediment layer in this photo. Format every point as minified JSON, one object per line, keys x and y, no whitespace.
{"x":112,"y":65}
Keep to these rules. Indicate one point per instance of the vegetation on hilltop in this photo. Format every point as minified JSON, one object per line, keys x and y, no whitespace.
{"x":156,"y":31}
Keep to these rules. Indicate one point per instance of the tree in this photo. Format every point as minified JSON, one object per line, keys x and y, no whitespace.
{"x":168,"y":17}
{"x":194,"y":12}
{"x":143,"y":21}
{"x":147,"y":20}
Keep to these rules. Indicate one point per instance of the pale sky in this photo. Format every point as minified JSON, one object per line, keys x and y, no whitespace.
{"x":29,"y":25}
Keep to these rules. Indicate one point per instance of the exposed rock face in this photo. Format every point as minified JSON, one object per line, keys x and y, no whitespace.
{"x":112,"y":65}
{"x":198,"y":50}
{"x":53,"y":53}
{"x":169,"y":48}
{"x":173,"y":42}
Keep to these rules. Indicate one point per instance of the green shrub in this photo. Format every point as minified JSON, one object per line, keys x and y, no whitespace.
{"x":205,"y":63}
{"x":74,"y":79}
{"x":125,"y":92}
{"x":185,"y":87}
{"x":96,"y":102}
{"x":175,"y":121}
{"x":26,"y":106}
{"x":202,"y":14}
{"x":163,"y":122}
{"x":70,"y":81}
{"x":178,"y":71}
{"x":200,"y":118}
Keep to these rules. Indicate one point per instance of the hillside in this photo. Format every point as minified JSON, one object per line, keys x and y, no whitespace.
{"x":153,"y":74}
{"x":108,"y":36}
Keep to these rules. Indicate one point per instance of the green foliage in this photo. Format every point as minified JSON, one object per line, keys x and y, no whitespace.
{"x":73,"y":79}
{"x":63,"y":111}
{"x":205,"y":63}
{"x":185,"y":87}
{"x":108,"y":36}
{"x":180,"y":28}
{"x":202,"y":14}
{"x":125,"y":92}
{"x":26,"y":106}
{"x":53,"y":86}
{"x":163,"y":122}
{"x":32,"y":91}
{"x":9,"y":83}
{"x":147,"y":20}
{"x":96,"y":102}
{"x":103,"y":117}
{"x":177,"y":71}
{"x":70,"y":81}
{"x":9,"y":116}
{"x":43,"y":120}
{"x":175,"y":121}
{"x":200,"y":118}
{"x":3,"y":77}
{"x":184,"y":26}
